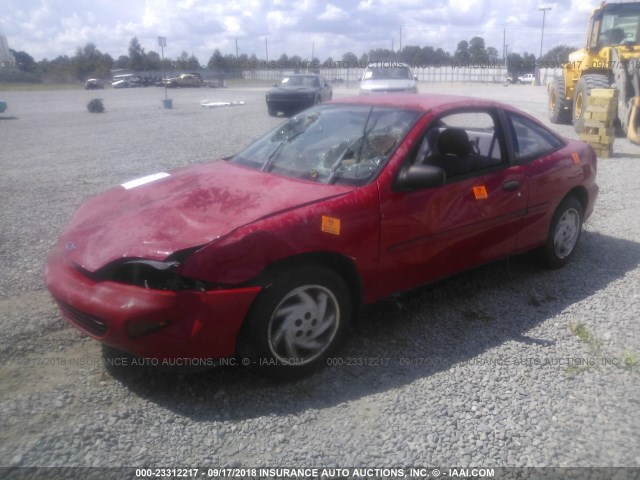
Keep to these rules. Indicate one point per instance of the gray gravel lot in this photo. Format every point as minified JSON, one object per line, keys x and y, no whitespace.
{"x":508,"y":365}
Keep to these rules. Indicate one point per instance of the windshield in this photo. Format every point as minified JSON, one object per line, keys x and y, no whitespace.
{"x":301,"y":81}
{"x":619,"y":25}
{"x":388,"y":73}
{"x":331,"y":143}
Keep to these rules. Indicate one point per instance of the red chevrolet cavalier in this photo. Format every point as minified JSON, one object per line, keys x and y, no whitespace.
{"x":269,"y":254}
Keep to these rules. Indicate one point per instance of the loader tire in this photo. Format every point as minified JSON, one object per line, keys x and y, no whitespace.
{"x":558,"y":108}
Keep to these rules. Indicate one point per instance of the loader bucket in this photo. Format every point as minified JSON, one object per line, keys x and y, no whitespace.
{"x":634,"y":121}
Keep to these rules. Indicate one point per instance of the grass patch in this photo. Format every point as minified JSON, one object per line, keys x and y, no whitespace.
{"x":583,"y":334}
{"x":630,"y":359}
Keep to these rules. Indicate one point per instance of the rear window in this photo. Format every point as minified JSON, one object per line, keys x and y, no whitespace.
{"x":531,"y":140}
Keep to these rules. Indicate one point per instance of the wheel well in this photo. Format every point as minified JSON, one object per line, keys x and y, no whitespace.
{"x":340,"y":264}
{"x":581,"y":194}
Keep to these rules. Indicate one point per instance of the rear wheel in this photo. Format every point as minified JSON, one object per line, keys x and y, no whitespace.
{"x":297,"y":322}
{"x":564,"y":233}
{"x":582,"y":91}
{"x":558,"y":112}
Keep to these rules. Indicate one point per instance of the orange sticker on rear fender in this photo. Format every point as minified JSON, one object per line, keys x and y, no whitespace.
{"x":331,"y":225}
{"x":480,"y":192}
{"x":576,"y":158}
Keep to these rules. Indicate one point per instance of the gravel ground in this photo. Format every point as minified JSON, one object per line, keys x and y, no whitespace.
{"x":508,"y":365}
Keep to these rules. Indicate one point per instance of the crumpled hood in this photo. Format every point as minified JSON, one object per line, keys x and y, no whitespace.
{"x":189,"y":207}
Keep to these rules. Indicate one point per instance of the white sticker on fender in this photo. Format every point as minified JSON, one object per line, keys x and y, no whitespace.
{"x":142,"y":180}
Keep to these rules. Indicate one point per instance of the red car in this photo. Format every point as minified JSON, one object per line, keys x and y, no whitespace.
{"x":269,"y":254}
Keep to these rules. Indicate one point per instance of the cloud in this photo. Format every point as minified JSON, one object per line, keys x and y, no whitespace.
{"x":333,"y":13}
{"x":48,"y":28}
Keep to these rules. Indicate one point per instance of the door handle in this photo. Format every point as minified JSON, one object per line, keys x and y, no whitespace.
{"x":511,"y":186}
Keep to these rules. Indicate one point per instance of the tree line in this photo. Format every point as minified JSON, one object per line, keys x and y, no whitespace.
{"x":89,"y":62}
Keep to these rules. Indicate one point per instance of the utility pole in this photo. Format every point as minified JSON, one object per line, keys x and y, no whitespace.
{"x":266,"y":48}
{"x":544,"y":12}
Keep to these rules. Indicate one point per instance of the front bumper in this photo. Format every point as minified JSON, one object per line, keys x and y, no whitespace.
{"x":199,"y":324}
{"x":291,"y":104}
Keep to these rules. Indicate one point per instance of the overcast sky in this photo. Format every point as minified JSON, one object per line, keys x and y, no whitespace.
{"x":48,"y":28}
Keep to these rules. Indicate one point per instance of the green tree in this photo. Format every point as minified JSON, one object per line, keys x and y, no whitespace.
{"x":152,"y":61}
{"x":349,"y":59}
{"x":558,"y":55}
{"x":24,"y":61}
{"x":462,"y":54}
{"x":121,"y":62}
{"x":217,"y":61}
{"x":136,"y":55}
{"x":477,"y":50}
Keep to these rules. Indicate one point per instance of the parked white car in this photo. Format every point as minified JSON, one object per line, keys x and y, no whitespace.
{"x":388,"y":77}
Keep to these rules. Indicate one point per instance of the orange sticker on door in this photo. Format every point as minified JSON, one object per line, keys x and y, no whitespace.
{"x":576,"y":158}
{"x":331,"y":225}
{"x":480,"y":192}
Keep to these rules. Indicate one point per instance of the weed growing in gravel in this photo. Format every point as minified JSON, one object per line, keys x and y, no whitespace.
{"x":630,"y":359}
{"x":580,"y":331}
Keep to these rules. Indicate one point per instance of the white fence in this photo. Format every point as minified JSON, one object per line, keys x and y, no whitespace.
{"x":351,"y":76}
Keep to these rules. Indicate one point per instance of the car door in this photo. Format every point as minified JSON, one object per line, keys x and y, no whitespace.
{"x":473,"y":218}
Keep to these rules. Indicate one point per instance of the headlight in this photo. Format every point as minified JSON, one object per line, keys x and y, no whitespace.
{"x":151,"y":274}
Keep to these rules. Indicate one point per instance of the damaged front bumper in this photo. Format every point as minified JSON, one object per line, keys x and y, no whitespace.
{"x":160,"y":324}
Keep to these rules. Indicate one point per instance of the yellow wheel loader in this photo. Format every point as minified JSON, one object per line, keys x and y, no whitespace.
{"x":611,"y":59}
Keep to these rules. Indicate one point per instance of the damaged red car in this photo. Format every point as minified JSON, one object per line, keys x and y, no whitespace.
{"x":270,"y":254}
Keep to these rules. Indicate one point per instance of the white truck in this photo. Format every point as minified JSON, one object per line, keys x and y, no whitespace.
{"x":527,"y":78}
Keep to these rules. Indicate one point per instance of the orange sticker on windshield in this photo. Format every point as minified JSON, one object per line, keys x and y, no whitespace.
{"x":576,"y":158}
{"x":480,"y":192}
{"x":331,"y":225}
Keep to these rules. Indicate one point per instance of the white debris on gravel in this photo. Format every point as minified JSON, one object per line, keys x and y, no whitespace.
{"x":508,"y":365}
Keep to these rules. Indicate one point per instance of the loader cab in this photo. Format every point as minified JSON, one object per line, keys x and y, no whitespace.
{"x":614,"y":25}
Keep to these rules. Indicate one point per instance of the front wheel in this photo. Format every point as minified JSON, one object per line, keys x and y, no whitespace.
{"x":296,"y":323}
{"x":564,"y":233}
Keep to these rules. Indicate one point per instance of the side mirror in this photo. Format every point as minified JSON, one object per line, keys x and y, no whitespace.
{"x":420,"y":176}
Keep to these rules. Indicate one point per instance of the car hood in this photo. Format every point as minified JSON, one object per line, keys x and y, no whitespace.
{"x":161,"y":214}
{"x":390,"y":84}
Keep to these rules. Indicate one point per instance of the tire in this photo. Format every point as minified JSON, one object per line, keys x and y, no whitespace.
{"x":558,"y":111}
{"x":564,"y":233}
{"x":272,"y":112}
{"x":581,"y":93}
{"x":283,"y":335}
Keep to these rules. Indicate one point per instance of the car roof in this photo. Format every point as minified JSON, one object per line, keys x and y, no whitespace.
{"x":421,"y":102}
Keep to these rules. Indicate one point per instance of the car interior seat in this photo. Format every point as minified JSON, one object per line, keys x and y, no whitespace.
{"x":454,"y":152}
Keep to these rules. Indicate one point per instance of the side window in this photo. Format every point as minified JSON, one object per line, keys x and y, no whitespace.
{"x":462,"y":144}
{"x":530,"y":139}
